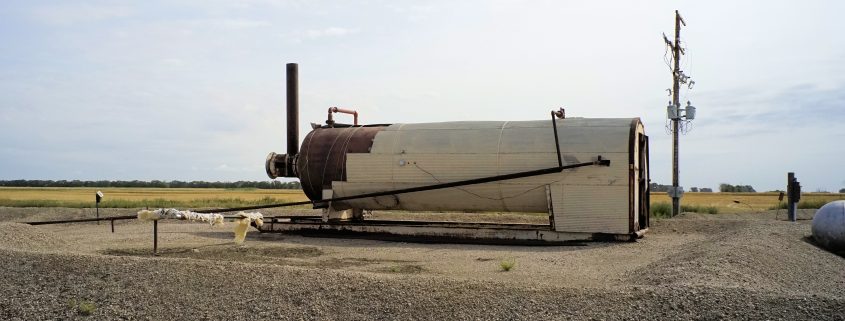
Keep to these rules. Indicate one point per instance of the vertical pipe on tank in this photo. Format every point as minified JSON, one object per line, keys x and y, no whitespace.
{"x":293,"y":108}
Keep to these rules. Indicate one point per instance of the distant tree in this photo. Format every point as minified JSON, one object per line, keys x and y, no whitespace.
{"x":154,"y":183}
{"x":728,"y":188}
{"x":693,"y":189}
{"x":706,"y":190}
{"x":654,"y":187}
{"x":842,"y":190}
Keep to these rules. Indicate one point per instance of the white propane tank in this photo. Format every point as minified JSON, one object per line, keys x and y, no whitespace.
{"x":829,"y":226}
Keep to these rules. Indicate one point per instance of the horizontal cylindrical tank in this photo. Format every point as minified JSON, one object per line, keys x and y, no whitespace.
{"x":829,"y":226}
{"x":357,"y":160}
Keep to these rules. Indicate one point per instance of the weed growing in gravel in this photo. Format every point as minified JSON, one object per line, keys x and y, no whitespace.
{"x":808,"y":204}
{"x":661,"y":210}
{"x":83,"y":307}
{"x":665,"y":209}
{"x":699,"y":209}
{"x":507,"y":265}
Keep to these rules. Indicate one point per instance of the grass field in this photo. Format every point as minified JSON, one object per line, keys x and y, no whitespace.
{"x":746,"y":202}
{"x":80,"y":197}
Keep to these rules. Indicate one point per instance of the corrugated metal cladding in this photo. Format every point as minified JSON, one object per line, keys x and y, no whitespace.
{"x":586,"y":199}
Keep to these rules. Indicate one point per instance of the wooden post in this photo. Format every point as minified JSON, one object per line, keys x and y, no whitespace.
{"x":676,"y":87}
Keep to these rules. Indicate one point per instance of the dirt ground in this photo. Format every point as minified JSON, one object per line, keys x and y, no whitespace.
{"x":695,"y":266}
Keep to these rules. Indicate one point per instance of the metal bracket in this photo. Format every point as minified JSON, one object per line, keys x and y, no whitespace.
{"x":676,"y":192}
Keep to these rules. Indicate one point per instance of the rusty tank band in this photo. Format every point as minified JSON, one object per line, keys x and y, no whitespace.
{"x":322,"y":157}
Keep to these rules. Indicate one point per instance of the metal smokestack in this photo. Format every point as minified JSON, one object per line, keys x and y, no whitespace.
{"x":293,"y":108}
{"x":282,"y":165}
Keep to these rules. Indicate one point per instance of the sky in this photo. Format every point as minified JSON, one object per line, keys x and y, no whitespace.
{"x":194,"y":90}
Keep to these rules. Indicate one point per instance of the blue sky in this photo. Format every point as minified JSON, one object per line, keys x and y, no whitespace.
{"x":194,"y":90}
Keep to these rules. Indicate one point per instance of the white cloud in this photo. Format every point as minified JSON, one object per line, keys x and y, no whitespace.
{"x":65,"y":14}
{"x":243,"y":23}
{"x":329,"y":32}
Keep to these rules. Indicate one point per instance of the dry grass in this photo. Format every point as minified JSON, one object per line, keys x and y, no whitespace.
{"x":140,"y":197}
{"x":218,"y":197}
{"x":748,"y":202}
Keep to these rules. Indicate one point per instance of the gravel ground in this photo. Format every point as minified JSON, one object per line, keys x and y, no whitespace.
{"x":694,"y":266}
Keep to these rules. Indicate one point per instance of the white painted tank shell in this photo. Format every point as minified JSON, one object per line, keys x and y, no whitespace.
{"x":829,"y":226}
{"x":585,"y":199}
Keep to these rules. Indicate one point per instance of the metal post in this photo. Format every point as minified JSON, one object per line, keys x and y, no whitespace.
{"x":155,"y":237}
{"x":112,"y":225}
{"x":293,"y":108}
{"x":98,"y":213}
{"x":793,"y":195}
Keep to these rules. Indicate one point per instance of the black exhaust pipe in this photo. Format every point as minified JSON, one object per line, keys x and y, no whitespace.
{"x":284,"y":165}
{"x":293,"y":108}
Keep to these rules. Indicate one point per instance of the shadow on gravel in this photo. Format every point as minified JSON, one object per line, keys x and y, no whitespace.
{"x":811,"y":241}
{"x":306,"y":256}
{"x":380,"y":242}
{"x":230,"y":252}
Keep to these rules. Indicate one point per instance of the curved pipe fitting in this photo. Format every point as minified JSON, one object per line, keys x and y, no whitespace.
{"x":330,"y":120}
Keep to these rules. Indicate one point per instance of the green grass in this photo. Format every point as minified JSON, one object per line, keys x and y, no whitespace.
{"x":699,"y":209}
{"x":83,"y":307}
{"x":661,"y":210}
{"x":808,"y":204}
{"x":507,"y":265}
{"x":152,"y":203}
{"x":665,"y":209}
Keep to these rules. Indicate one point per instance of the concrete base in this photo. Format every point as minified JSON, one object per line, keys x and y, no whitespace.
{"x":438,"y":232}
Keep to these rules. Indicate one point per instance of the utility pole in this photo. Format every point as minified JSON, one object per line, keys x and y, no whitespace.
{"x":674,"y":109}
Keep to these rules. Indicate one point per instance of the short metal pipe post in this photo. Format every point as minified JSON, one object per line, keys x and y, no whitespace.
{"x":112,"y":225}
{"x":793,"y":195}
{"x":155,"y":237}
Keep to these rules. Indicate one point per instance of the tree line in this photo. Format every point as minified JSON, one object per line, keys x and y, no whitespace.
{"x":728,"y":188}
{"x":654,"y":187}
{"x":153,"y":183}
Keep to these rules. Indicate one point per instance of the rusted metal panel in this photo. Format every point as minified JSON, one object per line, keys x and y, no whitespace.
{"x":322,"y":157}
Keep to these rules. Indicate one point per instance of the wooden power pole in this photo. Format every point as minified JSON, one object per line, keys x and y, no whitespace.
{"x":677,"y":75}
